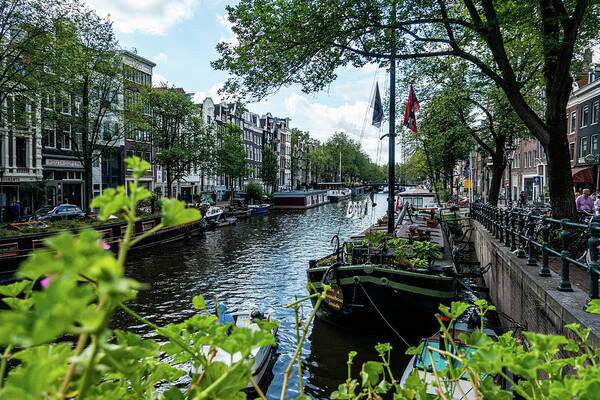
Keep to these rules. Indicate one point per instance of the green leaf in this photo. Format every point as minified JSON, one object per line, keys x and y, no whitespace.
{"x":594,"y":307}
{"x":174,"y":213}
{"x":370,"y":373}
{"x":110,"y":202}
{"x":18,"y":304}
{"x":415,"y":350}
{"x":198,"y":302}
{"x":138,"y":166}
{"x":14,"y":289}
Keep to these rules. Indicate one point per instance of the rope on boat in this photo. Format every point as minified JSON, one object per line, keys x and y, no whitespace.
{"x":381,"y":315}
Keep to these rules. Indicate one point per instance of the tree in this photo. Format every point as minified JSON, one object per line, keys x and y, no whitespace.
{"x":504,"y":40}
{"x":298,"y":142}
{"x":269,"y":172}
{"x":176,"y":128}
{"x":27,"y":39}
{"x":414,"y":169}
{"x":88,"y":68}
{"x":231,"y":155}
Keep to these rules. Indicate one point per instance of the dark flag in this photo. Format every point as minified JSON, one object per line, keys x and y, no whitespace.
{"x":412,"y":107}
{"x":377,"y":108}
{"x":466,"y":169}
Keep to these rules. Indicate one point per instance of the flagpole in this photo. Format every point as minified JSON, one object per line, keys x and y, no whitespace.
{"x":392,"y":129}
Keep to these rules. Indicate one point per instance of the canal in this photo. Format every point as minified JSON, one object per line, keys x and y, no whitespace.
{"x":260,"y":264}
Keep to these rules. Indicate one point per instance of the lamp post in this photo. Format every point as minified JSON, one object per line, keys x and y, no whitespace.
{"x":509,"y":154}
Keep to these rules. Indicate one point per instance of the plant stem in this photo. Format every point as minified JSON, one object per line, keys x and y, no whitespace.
{"x":435,"y":373}
{"x":286,"y":374}
{"x":85,"y":383}
{"x":298,"y":323}
{"x":146,"y":234}
{"x":5,"y":358}
{"x":312,"y":296}
{"x":259,"y":392}
{"x":213,"y":353}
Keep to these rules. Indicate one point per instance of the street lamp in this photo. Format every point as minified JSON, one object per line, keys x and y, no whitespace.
{"x":509,"y":154}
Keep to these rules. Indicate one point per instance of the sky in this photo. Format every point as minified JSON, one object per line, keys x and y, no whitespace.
{"x":180,"y":37}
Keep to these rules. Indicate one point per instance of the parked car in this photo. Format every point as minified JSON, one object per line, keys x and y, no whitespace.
{"x":52,"y":213}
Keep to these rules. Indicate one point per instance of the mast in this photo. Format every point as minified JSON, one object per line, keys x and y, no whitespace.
{"x":340,"y":166}
{"x":392,"y":131}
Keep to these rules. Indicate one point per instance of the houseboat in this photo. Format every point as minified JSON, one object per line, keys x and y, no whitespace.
{"x":357,"y":190}
{"x":15,"y":249}
{"x":336,"y":191}
{"x":419,"y":198}
{"x":259,"y":208}
{"x":300,"y":199}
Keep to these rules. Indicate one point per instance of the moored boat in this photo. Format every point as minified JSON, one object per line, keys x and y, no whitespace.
{"x":213,"y":214}
{"x":336,"y":191}
{"x":263,"y":357}
{"x":426,"y":360}
{"x":259,"y":208}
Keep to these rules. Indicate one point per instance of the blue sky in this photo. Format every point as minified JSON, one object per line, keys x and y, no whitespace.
{"x":181,"y":35}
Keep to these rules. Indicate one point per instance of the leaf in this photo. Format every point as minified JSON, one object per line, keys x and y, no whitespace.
{"x":174,"y":213}
{"x":14,"y":289}
{"x":138,"y":166}
{"x":594,"y":307}
{"x":18,"y":304}
{"x":370,"y":373}
{"x":198,"y":302}
{"x":111,"y":201}
{"x":415,"y":350}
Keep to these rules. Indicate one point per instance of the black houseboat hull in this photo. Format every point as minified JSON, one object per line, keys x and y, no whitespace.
{"x":15,"y":249}
{"x":362,"y":295}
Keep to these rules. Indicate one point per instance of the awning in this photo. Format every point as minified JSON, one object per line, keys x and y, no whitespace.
{"x":583,"y":175}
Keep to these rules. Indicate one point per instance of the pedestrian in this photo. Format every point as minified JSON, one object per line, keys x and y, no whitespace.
{"x":597,"y":203}
{"x":585,"y":202}
{"x":522,"y":198}
{"x":577,"y":194}
{"x":16,"y":210}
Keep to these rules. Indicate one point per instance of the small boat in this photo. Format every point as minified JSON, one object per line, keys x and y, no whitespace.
{"x":226,"y":221}
{"x":264,"y":357}
{"x":259,"y":208}
{"x":422,"y":362}
{"x":213,"y":214}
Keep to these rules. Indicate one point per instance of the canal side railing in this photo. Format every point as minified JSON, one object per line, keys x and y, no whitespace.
{"x":532,"y":237}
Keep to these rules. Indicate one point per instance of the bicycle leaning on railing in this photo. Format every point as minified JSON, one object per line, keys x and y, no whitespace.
{"x":528,"y":233}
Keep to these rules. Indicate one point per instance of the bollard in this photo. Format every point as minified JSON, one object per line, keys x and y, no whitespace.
{"x":513,"y":228}
{"x":507,"y":228}
{"x":530,"y":230}
{"x":544,"y":270}
{"x":593,"y":243}
{"x":521,"y":251}
{"x":565,"y":284}
{"x":496,"y":216}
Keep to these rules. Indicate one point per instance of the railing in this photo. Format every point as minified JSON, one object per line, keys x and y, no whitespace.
{"x":527,"y":234}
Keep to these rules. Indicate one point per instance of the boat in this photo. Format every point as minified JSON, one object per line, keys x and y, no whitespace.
{"x":370,"y":285}
{"x":226,"y":221}
{"x":422,"y":362}
{"x":419,"y":198}
{"x":14,"y":249}
{"x":336,"y":191}
{"x":259,"y":208}
{"x":299,"y":199}
{"x":264,"y":357}
{"x":213,"y":214}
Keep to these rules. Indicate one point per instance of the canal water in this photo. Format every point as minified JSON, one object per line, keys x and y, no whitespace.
{"x":260,"y":263}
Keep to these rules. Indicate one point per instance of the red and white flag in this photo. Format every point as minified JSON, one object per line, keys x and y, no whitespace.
{"x":412,"y":106}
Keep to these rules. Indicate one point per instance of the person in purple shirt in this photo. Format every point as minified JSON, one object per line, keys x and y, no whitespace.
{"x":585,"y":202}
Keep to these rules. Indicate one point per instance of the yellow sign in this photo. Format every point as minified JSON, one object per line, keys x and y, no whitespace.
{"x":468,"y":184}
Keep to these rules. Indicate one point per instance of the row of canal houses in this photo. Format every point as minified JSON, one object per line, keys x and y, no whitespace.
{"x":39,"y":164}
{"x":528,"y":168}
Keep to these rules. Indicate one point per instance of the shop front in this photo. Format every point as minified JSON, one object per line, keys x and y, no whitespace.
{"x":64,"y":181}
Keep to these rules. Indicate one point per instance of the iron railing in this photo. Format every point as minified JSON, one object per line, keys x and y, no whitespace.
{"x":528,"y":235}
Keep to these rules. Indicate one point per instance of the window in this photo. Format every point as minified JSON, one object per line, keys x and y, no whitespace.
{"x":64,"y":141}
{"x":21,"y":152}
{"x":583,"y":147}
{"x":572,"y":150}
{"x":106,"y":130}
{"x":596,"y":112}
{"x":534,"y":157}
{"x":48,"y":138}
{"x":129,"y":153}
{"x":585,"y":116}
{"x":594,"y":146}
{"x":139,"y":154}
{"x":147,"y":156}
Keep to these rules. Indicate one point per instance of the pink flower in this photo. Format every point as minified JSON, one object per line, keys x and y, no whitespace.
{"x":106,"y":246}
{"x":46,"y":281}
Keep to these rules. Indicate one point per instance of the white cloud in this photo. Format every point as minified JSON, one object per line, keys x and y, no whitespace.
{"x":160,"y":58}
{"x":159,"y":80}
{"x":212,"y":92}
{"x":224,"y":22}
{"x":154,"y":17}
{"x":323,"y":121}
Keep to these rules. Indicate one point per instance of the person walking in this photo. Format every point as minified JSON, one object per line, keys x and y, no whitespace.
{"x":16,"y":208}
{"x":522,"y":199}
{"x":597,"y":203}
{"x":585,"y":202}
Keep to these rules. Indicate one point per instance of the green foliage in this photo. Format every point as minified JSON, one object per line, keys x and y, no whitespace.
{"x":325,"y":262}
{"x":254,"y":191}
{"x":419,"y":263}
{"x":82,"y":285}
{"x":426,"y":250}
{"x":269,"y":172}
{"x":374,"y":238}
{"x":231,"y":155}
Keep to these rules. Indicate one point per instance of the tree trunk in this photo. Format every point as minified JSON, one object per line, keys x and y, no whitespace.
{"x":498,"y":166}
{"x":169,"y":182}
{"x":202,"y":183}
{"x":560,"y":180}
{"x":85,"y":151}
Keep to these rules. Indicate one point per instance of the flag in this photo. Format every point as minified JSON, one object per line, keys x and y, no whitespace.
{"x":467,"y":167}
{"x":412,"y":106}
{"x":377,"y":108}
